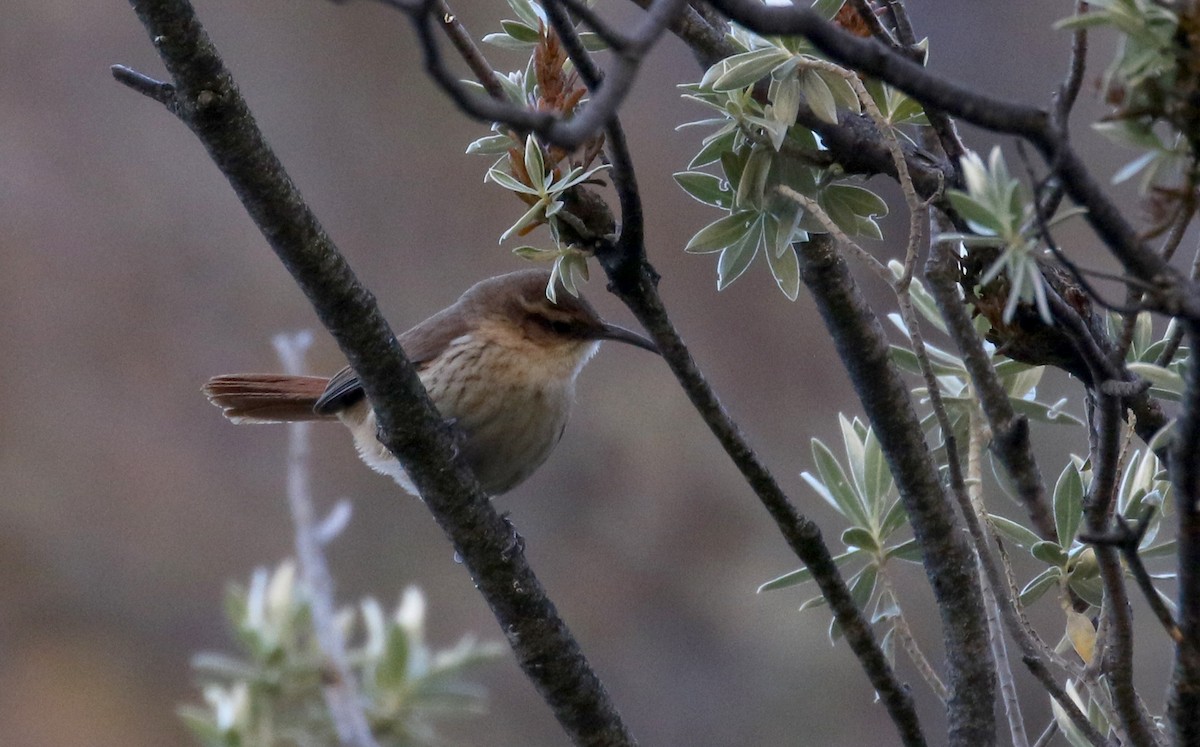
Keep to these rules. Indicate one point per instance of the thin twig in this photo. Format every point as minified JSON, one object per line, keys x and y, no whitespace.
{"x":340,"y":688}
{"x":1118,"y":653}
{"x":1010,"y":431}
{"x":803,"y":536}
{"x":469,"y":51}
{"x":1128,"y":540}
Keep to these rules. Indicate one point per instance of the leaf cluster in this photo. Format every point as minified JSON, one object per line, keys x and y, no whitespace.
{"x":271,"y":695}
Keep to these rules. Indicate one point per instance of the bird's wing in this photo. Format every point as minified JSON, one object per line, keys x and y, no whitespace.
{"x":422,"y":344}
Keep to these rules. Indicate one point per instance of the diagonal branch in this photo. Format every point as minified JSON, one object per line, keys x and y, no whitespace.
{"x":639,"y":293}
{"x":948,"y":560}
{"x":211,"y":106}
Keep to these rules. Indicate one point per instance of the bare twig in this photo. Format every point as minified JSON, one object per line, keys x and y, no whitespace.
{"x":468,"y":50}
{"x":340,"y":688}
{"x":550,"y":127}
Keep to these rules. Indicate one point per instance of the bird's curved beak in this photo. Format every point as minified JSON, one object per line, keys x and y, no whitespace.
{"x":620,"y":334}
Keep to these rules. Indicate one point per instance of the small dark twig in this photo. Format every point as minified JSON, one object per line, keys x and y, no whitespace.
{"x":163,"y":93}
{"x":550,"y":127}
{"x":866,"y":11}
{"x":1128,"y":540}
{"x":1118,"y":652}
{"x":469,"y":51}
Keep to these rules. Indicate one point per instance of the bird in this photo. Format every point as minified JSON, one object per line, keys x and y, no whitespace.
{"x":500,"y":363}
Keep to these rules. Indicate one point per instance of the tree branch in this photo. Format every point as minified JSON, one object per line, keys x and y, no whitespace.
{"x":1184,"y":707}
{"x":948,"y":560}
{"x":1011,"y":432}
{"x":211,"y":106}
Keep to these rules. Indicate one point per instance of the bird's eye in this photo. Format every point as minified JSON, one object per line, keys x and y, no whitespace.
{"x":561,"y":327}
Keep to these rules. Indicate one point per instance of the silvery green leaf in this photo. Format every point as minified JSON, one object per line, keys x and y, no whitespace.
{"x":528,"y":12}
{"x":843,"y":93}
{"x":862,"y":586}
{"x":1039,"y":585}
{"x":978,"y":216}
{"x":785,"y":268}
{"x":867,"y":228}
{"x":827,"y":9}
{"x":531,"y":216}
{"x":1043,"y":413}
{"x":922,"y":300}
{"x":1014,"y":532}
{"x":785,"y":97}
{"x":534,"y":165}
{"x":860,"y":538}
{"x":706,"y":188}
{"x":1130,"y":132}
{"x":721,"y":233}
{"x":1164,"y":381}
{"x":508,"y":181}
{"x":860,"y":200}
{"x":738,"y":256}
{"x":909,"y":550}
{"x":752,"y":181}
{"x":714,"y":146}
{"x":838,"y":488}
{"x":512,"y":89}
{"x":1049,"y":552}
{"x":534,"y":253}
{"x":1068,"y":504}
{"x":799,"y":576}
{"x":1167,"y":549}
{"x":592,"y":41}
{"x":783,"y":229}
{"x":852,"y":442}
{"x":490,"y":145}
{"x":504,"y":41}
{"x":819,"y":97}
{"x":521,"y":32}
{"x":748,"y":68}
{"x":391,"y":671}
{"x":877,"y":475}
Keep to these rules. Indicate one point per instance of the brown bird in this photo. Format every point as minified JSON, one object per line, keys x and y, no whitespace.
{"x":500,"y":363}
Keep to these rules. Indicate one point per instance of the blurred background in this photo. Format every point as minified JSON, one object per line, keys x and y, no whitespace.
{"x":129,"y":274}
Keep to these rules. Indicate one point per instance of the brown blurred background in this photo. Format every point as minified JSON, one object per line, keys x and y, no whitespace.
{"x":129,"y":274}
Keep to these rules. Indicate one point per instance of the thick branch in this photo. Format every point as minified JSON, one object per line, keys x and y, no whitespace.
{"x":948,"y":560}
{"x":1184,"y":707}
{"x":209,"y":103}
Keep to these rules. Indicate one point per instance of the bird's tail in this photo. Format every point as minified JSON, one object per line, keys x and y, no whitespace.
{"x":266,"y":398}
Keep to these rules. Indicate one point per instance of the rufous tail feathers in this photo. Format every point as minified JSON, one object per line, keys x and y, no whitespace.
{"x":266,"y":398}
